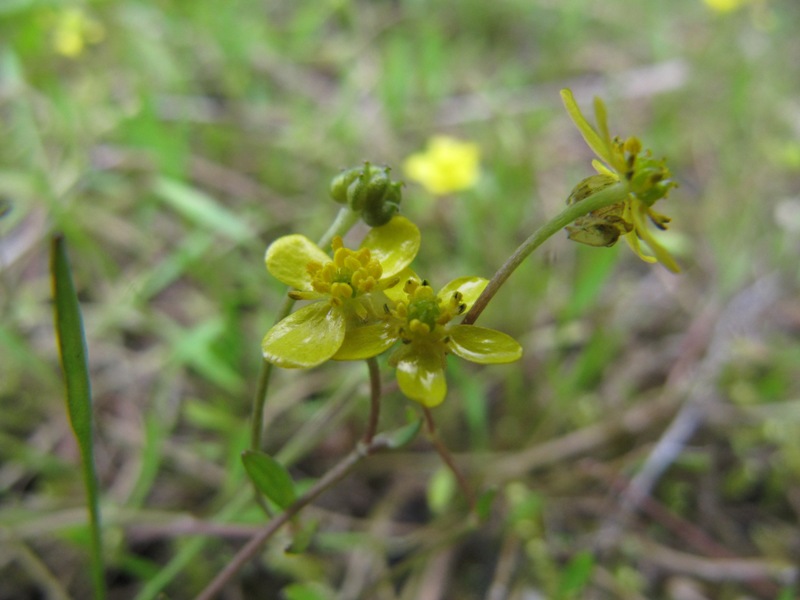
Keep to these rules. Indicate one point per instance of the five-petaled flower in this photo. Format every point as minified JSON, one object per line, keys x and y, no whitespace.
{"x":647,"y":180}
{"x":346,"y":319}
{"x":447,"y":165}
{"x":423,"y":322}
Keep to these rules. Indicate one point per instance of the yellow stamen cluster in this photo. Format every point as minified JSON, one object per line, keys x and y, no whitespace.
{"x":351,"y":273}
{"x":424,"y":311}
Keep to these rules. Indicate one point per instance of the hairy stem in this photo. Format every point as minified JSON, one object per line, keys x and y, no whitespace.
{"x":606,"y":197}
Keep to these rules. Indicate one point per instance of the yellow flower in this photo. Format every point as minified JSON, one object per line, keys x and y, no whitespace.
{"x":647,"y":180}
{"x":447,"y":165}
{"x":346,"y":319}
{"x":73,"y":30}
{"x":724,"y":6}
{"x":423,"y":323}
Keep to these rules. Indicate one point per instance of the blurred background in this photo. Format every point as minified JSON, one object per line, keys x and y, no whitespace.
{"x":647,"y":445}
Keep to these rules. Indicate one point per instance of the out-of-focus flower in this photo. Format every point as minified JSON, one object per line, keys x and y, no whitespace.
{"x":74,"y":30}
{"x":646,"y":178}
{"x":447,"y":165}
{"x":724,"y":6}
{"x":346,"y":319}
{"x":423,"y":323}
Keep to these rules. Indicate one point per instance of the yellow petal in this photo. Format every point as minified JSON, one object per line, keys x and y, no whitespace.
{"x":367,"y":341}
{"x":287,"y":259}
{"x":397,"y":293}
{"x":640,"y":228}
{"x":592,"y":138}
{"x":470,"y":288}
{"x":661,"y":254}
{"x":305,"y":338}
{"x":420,"y":374}
{"x":482,"y":345}
{"x":448,"y":165}
{"x":394,"y":245}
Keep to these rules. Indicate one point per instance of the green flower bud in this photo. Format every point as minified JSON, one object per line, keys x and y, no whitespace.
{"x":340,"y":183}
{"x":589,"y":186}
{"x":650,"y":180}
{"x":370,"y":191}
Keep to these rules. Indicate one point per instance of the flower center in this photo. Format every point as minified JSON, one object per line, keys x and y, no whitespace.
{"x":351,"y":273}
{"x":424,"y":313}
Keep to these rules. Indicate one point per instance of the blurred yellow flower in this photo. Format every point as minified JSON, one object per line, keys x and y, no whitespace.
{"x":74,"y":30}
{"x":447,"y":165}
{"x":723,"y":6}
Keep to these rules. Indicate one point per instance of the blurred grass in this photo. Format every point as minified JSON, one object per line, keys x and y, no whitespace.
{"x":174,"y":149}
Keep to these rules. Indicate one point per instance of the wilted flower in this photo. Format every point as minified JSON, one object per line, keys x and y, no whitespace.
{"x":646,"y":178}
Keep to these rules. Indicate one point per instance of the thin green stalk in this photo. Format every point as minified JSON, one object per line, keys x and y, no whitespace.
{"x":374,"y":399}
{"x":344,"y":220}
{"x":606,"y":197}
{"x":448,"y":459}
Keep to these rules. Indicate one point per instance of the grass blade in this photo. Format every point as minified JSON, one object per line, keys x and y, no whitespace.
{"x":72,"y":348}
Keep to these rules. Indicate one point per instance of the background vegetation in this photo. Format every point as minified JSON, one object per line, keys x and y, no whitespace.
{"x":171,"y":141}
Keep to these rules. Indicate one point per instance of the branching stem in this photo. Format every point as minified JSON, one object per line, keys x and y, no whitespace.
{"x":249,"y":550}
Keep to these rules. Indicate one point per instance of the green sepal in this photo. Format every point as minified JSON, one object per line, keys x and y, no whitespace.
{"x":370,"y":191}
{"x":270,"y":477}
{"x":341,"y":182}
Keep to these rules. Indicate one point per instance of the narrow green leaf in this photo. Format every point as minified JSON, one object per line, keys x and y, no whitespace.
{"x":575,"y":576}
{"x":402,"y":436}
{"x":74,"y":363}
{"x":202,"y":209}
{"x":302,"y":536}
{"x":305,"y":591}
{"x":483,"y":507}
{"x":271,"y":477}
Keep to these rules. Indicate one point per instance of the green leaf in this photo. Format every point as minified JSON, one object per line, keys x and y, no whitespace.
{"x":271,"y":477}
{"x":302,"y":536}
{"x":441,"y":489}
{"x":202,"y":209}
{"x":74,"y":363}
{"x":483,"y":507}
{"x":575,"y":576}
{"x":402,"y":436}
{"x":305,"y":591}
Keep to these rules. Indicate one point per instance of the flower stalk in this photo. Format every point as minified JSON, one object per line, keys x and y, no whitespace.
{"x":607,"y":196}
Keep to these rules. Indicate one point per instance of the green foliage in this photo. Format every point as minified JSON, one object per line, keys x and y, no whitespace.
{"x":75,"y":364}
{"x":271,"y":478}
{"x":172,"y":150}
